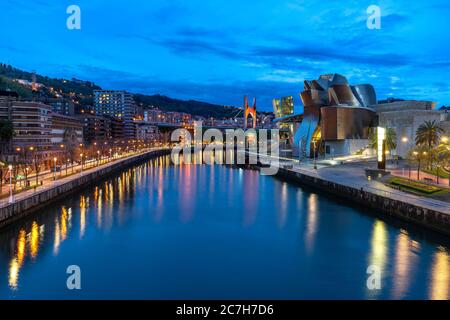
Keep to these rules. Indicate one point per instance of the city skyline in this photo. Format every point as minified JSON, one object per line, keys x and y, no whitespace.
{"x":196,"y":51}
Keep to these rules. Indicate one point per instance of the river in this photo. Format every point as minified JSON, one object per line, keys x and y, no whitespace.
{"x":164,"y":231}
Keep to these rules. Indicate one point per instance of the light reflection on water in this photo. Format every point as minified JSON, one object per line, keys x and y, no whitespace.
{"x":282,"y":241}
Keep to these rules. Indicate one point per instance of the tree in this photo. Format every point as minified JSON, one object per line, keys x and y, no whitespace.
{"x":6,"y":133}
{"x":443,"y":157}
{"x":418,"y":155}
{"x":428,"y":134}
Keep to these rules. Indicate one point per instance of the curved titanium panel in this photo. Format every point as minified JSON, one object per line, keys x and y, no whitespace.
{"x":344,"y":95}
{"x":365,"y":93}
{"x":303,"y":135}
{"x":339,"y":123}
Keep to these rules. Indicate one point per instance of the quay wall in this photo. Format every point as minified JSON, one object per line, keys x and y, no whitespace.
{"x":39,"y":199}
{"x":431,"y":219}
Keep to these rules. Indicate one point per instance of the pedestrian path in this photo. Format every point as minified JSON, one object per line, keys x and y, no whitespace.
{"x":51,"y":184}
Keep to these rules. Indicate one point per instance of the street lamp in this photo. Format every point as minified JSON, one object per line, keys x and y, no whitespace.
{"x":26,"y":176}
{"x":81,"y":157}
{"x":415,"y":153}
{"x":36,"y":166}
{"x":54,"y":170}
{"x":315,"y":164}
{"x":10,"y":184}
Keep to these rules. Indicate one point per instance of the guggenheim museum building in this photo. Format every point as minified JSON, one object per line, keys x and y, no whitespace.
{"x":338,"y":117}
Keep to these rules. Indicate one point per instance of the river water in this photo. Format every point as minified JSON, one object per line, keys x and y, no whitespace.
{"x":164,"y":231}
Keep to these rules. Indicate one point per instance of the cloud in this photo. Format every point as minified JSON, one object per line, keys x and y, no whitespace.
{"x":196,"y":47}
{"x":318,"y":53}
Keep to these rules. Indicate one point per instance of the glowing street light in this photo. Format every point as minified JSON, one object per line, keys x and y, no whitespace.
{"x":10,"y":184}
{"x":444,"y":139}
{"x":405,"y":139}
{"x":381,"y":148}
{"x":54,"y":170}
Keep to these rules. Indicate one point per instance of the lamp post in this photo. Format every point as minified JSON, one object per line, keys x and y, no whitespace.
{"x":424,"y":153}
{"x":62,"y":161}
{"x":81,"y":157}
{"x":10,"y":184}
{"x":26,"y":176}
{"x":415,"y":153}
{"x":405,"y":140}
{"x":314,"y":155}
{"x":36,"y":166}
{"x":54,"y":170}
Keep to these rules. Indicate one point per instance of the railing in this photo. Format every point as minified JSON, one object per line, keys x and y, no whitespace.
{"x":60,"y":181}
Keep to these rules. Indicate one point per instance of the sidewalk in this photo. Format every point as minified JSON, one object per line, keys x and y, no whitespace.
{"x":352,"y":174}
{"x":51,"y":183}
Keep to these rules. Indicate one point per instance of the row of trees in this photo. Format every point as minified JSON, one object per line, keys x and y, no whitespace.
{"x":432,"y":149}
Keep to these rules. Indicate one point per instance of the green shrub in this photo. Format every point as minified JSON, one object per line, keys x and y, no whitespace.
{"x":414,"y":185}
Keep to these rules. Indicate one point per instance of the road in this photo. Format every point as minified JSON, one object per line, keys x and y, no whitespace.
{"x":61,"y":177}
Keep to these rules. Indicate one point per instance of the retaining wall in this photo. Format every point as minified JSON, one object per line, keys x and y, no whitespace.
{"x":438,"y":221}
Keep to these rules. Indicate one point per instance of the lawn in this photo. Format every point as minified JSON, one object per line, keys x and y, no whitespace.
{"x":442,"y":172}
{"x":413,"y":186}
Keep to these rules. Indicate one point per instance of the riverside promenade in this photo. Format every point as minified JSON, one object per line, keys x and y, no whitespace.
{"x":348,"y":180}
{"x":31,"y":200}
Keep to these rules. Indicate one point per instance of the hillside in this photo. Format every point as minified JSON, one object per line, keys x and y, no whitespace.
{"x":198,"y":108}
{"x":81,"y":92}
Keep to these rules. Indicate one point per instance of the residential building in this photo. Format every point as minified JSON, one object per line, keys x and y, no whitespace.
{"x":95,"y":128}
{"x":117,"y":104}
{"x":66,"y":131}
{"x":32,"y":123}
{"x":60,"y":105}
{"x":146,"y":131}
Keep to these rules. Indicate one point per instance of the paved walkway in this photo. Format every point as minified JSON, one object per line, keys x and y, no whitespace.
{"x":352,"y":174}
{"x":51,"y":184}
{"x":46,"y":176}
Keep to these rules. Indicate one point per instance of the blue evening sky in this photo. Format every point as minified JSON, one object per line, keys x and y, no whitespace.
{"x":219,"y":50}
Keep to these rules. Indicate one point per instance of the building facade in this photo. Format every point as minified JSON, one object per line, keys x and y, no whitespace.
{"x":66,"y":131}
{"x":32,"y":140}
{"x":337,"y":117}
{"x":95,"y":128}
{"x":405,"y":117}
{"x":117,"y":104}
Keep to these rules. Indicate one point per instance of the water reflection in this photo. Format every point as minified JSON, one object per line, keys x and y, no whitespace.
{"x":405,"y":260}
{"x":440,"y":276}
{"x":311,"y":223}
{"x":33,"y":238}
{"x":242,"y":205}
{"x":84,"y":204}
{"x":282,"y":216}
